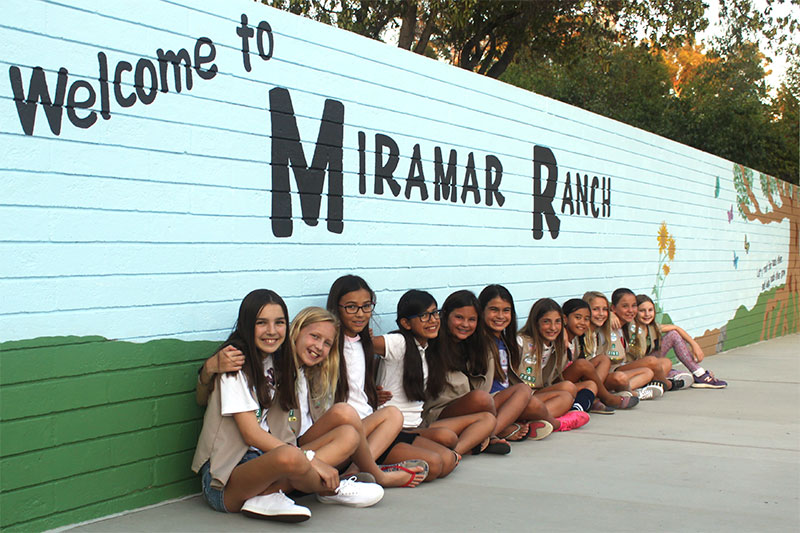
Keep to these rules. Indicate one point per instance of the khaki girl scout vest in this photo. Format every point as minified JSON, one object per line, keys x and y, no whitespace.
{"x":616,"y":349}
{"x":484,"y":382}
{"x":457,"y":386}
{"x":528,"y":373}
{"x":221,"y":443}
{"x":640,"y":343}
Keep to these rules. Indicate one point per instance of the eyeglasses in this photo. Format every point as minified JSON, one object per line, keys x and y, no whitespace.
{"x":426,"y":316}
{"x":352,"y":309}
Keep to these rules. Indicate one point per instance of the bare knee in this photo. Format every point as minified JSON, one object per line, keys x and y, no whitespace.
{"x":344,"y":414}
{"x":617,"y":381}
{"x":392,"y":416}
{"x":289,"y":461}
{"x":568,"y":387}
{"x":445,"y":437}
{"x":483,"y":401}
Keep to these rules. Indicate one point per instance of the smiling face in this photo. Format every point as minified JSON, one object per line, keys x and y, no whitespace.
{"x":578,"y":322}
{"x":314,"y":342}
{"x":625,"y":308}
{"x":355,"y":323}
{"x":497,"y":315}
{"x":599,"y":312}
{"x":423,"y":331}
{"x":646,"y":312}
{"x":550,"y":325}
{"x":462,"y":322}
{"x":270,"y":329}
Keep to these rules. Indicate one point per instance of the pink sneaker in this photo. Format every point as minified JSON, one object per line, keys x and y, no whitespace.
{"x":572,"y":420}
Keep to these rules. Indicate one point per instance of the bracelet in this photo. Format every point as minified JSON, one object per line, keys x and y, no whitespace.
{"x":309,"y":454}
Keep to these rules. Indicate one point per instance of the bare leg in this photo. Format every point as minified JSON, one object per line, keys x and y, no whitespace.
{"x":582,"y":371}
{"x":342,"y":414}
{"x":471,"y":429}
{"x":441,"y":460}
{"x":602,"y":365}
{"x":381,"y":428}
{"x":654,"y":364}
{"x":476,"y":401}
{"x":632,"y":378}
{"x":516,"y":404}
{"x":262,"y":473}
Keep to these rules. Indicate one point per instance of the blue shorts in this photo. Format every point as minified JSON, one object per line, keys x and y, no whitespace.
{"x":215,"y":497}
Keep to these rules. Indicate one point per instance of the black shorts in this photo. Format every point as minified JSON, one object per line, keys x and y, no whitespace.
{"x":404,"y":437}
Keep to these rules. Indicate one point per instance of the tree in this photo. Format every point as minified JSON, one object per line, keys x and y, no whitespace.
{"x":484,"y":35}
{"x":782,"y":314}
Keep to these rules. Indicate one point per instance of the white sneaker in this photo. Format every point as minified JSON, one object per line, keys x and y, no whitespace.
{"x":275,"y":506}
{"x":355,"y":494}
{"x":650,"y":391}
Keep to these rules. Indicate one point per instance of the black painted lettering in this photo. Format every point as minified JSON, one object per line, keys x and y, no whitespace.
{"x":246,"y":33}
{"x":385,"y":171}
{"x":362,"y":162}
{"x":105,"y":104}
{"x":200,"y":59}
{"x":566,"y":199}
{"x":543,"y":199}
{"x":581,"y":198}
{"x":73,"y":103}
{"x":287,"y":150}
{"x":494,"y":168}
{"x":470,"y":182}
{"x":444,"y":182}
{"x":145,"y":97}
{"x":416,"y":177}
{"x":38,"y":92}
{"x":264,"y":27}
{"x":606,"y":197}
{"x":595,"y":184}
{"x":164,"y":60}
{"x":123,"y":101}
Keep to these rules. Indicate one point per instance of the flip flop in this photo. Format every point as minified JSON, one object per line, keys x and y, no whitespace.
{"x":539,"y":429}
{"x":514,"y":432}
{"x":494,"y":448}
{"x":406,"y":467}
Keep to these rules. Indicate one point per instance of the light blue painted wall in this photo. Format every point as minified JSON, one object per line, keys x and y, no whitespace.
{"x":156,"y":222}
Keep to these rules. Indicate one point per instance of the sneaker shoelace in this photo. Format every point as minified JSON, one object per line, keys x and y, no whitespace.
{"x":345,"y":485}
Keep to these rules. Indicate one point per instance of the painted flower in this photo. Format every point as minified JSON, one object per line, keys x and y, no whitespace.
{"x":665,"y":268}
{"x":663,"y":236}
{"x":671,"y":248}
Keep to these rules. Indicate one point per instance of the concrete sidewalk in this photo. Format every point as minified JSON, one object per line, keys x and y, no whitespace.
{"x":696,"y":460}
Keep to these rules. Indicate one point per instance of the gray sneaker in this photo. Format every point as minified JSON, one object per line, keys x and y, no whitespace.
{"x":681,"y":380}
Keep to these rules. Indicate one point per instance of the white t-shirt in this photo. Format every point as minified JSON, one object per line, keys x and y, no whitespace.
{"x":356,"y":374}
{"x":390,"y":377}
{"x":302,"y":400}
{"x":546,"y":353}
{"x":236,"y":395}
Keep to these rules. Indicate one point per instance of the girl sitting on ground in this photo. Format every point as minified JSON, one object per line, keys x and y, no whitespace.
{"x":578,"y":369}
{"x":405,"y":371}
{"x":462,"y":347}
{"x":542,"y":358}
{"x":242,"y":465}
{"x":499,"y":320}
{"x":352,"y":300}
{"x":658,"y":339}
{"x":607,"y":361}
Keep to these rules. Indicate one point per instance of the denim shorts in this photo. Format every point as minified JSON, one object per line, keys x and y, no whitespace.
{"x":215,"y":497}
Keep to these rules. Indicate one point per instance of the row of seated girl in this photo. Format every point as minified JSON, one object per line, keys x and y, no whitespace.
{"x":321,"y":406}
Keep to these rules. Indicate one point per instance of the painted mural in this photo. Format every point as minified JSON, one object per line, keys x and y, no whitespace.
{"x":163,"y":158}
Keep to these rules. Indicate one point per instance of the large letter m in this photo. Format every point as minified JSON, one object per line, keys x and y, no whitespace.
{"x":288,"y":150}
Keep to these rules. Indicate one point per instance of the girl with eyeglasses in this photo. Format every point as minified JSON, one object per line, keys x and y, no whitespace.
{"x":352,"y":300}
{"x":405,"y":370}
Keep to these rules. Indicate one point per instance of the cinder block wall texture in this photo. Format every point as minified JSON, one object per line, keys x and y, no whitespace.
{"x":162,"y":159}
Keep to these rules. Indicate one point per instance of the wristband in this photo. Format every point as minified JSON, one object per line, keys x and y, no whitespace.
{"x":309,"y":454}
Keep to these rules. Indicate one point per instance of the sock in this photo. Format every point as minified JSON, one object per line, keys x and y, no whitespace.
{"x":699,"y":372}
{"x":583,"y":400}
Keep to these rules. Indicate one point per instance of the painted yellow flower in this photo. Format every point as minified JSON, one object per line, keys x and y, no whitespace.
{"x":665,"y":268}
{"x":663,"y":235}
{"x":671,"y":248}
